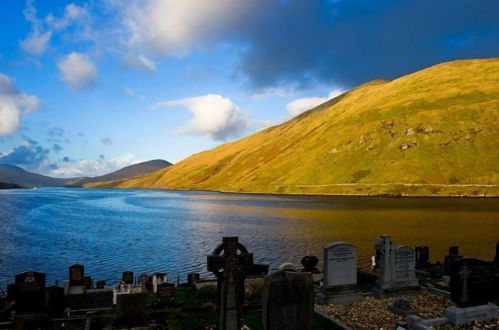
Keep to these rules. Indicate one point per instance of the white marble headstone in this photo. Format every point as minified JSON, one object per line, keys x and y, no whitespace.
{"x":340,"y":264}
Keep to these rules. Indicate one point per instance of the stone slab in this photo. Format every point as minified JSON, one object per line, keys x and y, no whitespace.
{"x":341,"y":298}
{"x":466,"y":315}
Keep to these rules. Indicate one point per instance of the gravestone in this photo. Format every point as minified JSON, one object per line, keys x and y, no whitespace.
{"x":422,"y":257}
{"x":100,"y":284}
{"x":158,"y":278}
{"x":309,"y":264}
{"x":30,"y":292}
{"x":55,"y":300}
{"x":127,"y":277}
{"x":397,"y":273}
{"x":192,"y":279}
{"x":76,"y":279}
{"x":472,"y":285}
{"x":288,"y":301}
{"x":165,"y":293}
{"x":496,"y":259}
{"x":88,"y":282}
{"x":145,"y":282}
{"x":340,"y":274}
{"x":453,"y":252}
{"x":131,"y":309}
{"x":227,"y":268}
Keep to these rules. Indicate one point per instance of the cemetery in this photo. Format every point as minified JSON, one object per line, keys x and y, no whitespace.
{"x":401,"y":289}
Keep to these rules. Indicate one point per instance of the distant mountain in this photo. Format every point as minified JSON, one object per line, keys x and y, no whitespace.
{"x":433,"y":132}
{"x":131,"y":171}
{"x":17,"y":175}
{"x":4,"y":185}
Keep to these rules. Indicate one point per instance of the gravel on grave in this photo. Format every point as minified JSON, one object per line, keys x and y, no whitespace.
{"x":372,"y":313}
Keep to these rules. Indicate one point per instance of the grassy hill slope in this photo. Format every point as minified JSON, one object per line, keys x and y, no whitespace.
{"x":433,"y":132}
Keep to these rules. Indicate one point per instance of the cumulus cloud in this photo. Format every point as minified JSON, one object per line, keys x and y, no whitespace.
{"x":13,"y":104}
{"x":29,"y":155}
{"x":215,"y":116}
{"x":141,"y":62}
{"x":299,"y":106}
{"x":78,"y":71}
{"x":72,"y":14}
{"x":69,"y":168}
{"x":173,"y":27}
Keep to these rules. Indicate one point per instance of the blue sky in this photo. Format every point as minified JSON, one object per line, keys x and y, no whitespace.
{"x":87,"y":87}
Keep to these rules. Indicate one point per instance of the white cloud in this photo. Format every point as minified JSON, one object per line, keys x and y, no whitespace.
{"x":129,"y":91}
{"x":173,"y":27}
{"x":42,"y":29}
{"x":82,"y":167}
{"x":78,"y":70}
{"x":214,"y":116}
{"x":299,"y":106}
{"x":140,"y":62}
{"x":13,"y":103}
{"x":72,"y":14}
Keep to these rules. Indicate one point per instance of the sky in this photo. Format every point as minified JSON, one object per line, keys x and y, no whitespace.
{"x":87,"y":87}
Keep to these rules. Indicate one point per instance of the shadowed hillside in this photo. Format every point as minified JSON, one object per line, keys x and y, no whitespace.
{"x":433,"y":132}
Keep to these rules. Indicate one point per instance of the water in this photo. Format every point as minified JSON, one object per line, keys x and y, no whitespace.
{"x":110,"y":231}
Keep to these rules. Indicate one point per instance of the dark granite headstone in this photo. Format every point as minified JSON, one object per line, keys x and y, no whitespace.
{"x":192,"y":278}
{"x":472,"y":281}
{"x":30,"y":292}
{"x":127,"y":277}
{"x":96,"y":298}
{"x":422,"y":256}
{"x":100,"y":284}
{"x":227,"y":267}
{"x":453,"y":255}
{"x":165,"y":293}
{"x":88,"y":282}
{"x":288,"y":301}
{"x":309,"y":264}
{"x":55,"y":300}
{"x":131,"y":309}
{"x":76,"y":275}
{"x":453,"y":250}
{"x":496,"y":259}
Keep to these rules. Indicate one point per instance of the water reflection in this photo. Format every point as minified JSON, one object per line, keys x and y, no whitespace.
{"x":111,"y":231}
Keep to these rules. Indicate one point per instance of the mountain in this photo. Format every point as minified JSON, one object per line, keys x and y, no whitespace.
{"x":17,"y":175}
{"x":4,"y":185}
{"x":126,"y":172}
{"x":433,"y":132}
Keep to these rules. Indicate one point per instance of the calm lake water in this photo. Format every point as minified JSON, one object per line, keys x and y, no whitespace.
{"x":110,"y":231}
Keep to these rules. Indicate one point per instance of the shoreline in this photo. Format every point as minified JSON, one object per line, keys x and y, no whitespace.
{"x":381,"y":195}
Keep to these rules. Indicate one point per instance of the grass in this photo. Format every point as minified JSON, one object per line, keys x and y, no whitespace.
{"x":433,"y":132}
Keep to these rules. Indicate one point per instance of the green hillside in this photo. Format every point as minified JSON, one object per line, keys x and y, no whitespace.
{"x":433,"y":132}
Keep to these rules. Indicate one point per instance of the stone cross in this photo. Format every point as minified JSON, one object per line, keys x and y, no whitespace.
{"x":227,"y":266}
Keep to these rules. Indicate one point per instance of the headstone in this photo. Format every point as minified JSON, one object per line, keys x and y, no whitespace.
{"x":165,"y":293}
{"x":88,"y":282}
{"x":396,"y":273}
{"x":145,"y":281}
{"x":340,"y":274}
{"x":92,"y":298}
{"x":55,"y":300}
{"x":422,"y":257}
{"x":131,"y":309}
{"x":158,"y":278}
{"x":100,"y":284}
{"x":127,"y":277}
{"x":310,"y":264}
{"x":76,"y":280}
{"x":453,"y":253}
{"x":11,"y":292}
{"x":30,"y":292}
{"x":76,"y":275}
{"x":192,"y":279}
{"x":472,"y":285}
{"x":288,"y":301}
{"x":472,"y":282}
{"x":496,"y":259}
{"x":227,"y":267}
